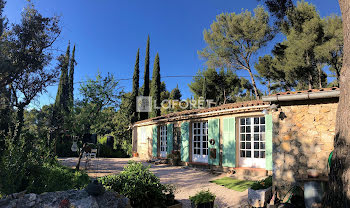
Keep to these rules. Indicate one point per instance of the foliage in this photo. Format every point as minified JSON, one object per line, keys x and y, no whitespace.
{"x":27,"y":46}
{"x":175,"y":157}
{"x":134,"y":116}
{"x":234,"y":184}
{"x":118,"y":151}
{"x":175,"y":94}
{"x":71,"y":77}
{"x":31,"y":166}
{"x":233,"y":39}
{"x":97,"y":96}
{"x":139,"y":184}
{"x":221,"y":87}
{"x":263,"y":184}
{"x":146,"y":82}
{"x":203,"y":197}
{"x":62,"y":97}
{"x":49,"y":178}
{"x":155,"y":88}
{"x":310,"y":44}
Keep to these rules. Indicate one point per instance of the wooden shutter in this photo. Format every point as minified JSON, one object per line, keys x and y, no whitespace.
{"x":154,"y":141}
{"x":185,"y":144}
{"x":268,"y":139}
{"x":214,"y":133}
{"x":229,"y":143}
{"x":170,"y":138}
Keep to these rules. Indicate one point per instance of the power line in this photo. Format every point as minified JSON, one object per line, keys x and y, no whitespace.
{"x":169,"y":76}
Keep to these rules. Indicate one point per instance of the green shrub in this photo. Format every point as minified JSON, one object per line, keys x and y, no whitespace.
{"x":203,"y":197}
{"x":26,"y":172}
{"x":263,"y":184}
{"x":140,"y":185}
{"x":56,"y":177}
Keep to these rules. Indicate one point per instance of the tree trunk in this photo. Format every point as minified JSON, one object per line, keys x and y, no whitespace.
{"x":339,"y":177}
{"x":254,"y":85}
{"x":83,"y":149}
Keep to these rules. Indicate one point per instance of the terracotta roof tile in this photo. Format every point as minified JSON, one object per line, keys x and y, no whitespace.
{"x":205,"y":110}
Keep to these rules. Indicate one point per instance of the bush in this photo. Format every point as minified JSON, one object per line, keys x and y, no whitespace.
{"x":203,"y":197}
{"x":56,"y":177}
{"x":263,"y":184}
{"x":140,"y":185}
{"x":26,"y":172}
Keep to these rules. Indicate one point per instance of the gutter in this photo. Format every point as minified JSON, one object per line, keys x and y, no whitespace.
{"x":302,"y":96}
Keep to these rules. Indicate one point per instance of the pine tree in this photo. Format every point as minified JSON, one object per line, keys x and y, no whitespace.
{"x":155,"y":88}
{"x":175,"y":94}
{"x":146,"y":91}
{"x":63,"y":93}
{"x":71,"y":78}
{"x":135,"y":89}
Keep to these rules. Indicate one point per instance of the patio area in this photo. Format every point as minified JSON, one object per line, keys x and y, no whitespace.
{"x":188,"y":181}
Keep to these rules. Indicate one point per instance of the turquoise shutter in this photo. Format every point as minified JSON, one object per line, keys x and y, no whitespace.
{"x":229,"y":143}
{"x":268,"y":138}
{"x":185,"y":144}
{"x":170,"y":138}
{"x":155,"y":140}
{"x":214,"y":133}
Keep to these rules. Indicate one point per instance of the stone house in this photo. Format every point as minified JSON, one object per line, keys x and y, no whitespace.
{"x":284,"y":134}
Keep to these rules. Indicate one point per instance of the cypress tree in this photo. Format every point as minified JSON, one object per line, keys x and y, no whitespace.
{"x":63,"y":92}
{"x":135,"y":89}
{"x":144,"y":115}
{"x":71,"y":78}
{"x":155,"y":87}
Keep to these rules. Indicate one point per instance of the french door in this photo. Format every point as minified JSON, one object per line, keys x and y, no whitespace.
{"x":163,"y":141}
{"x":252,"y":142}
{"x":200,"y":142}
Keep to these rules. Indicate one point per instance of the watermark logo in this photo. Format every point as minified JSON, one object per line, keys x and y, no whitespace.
{"x":144,"y":104}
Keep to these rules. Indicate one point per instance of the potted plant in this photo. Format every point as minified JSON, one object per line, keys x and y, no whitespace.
{"x":260,"y":193}
{"x":174,"y":158}
{"x":135,"y":154}
{"x":203,"y":199}
{"x":170,"y":197}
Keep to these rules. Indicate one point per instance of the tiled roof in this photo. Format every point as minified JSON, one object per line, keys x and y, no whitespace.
{"x":306,"y":91}
{"x":208,"y":110}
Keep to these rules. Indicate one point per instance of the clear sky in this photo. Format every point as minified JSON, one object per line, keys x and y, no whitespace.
{"x":107,"y":34}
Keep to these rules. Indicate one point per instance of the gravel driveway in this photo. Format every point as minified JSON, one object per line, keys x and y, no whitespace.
{"x":187,"y":180}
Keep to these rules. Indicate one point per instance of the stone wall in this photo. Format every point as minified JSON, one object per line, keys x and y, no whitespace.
{"x":62,"y":199}
{"x":302,"y":139}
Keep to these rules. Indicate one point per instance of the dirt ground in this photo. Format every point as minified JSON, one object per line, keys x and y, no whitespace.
{"x":188,"y":181}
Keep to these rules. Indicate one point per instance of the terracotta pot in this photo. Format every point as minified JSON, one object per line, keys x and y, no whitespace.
{"x":135,"y":154}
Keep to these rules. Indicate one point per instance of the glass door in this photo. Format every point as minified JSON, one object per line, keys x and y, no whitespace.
{"x":200,"y":142}
{"x":252,"y":142}
{"x":163,"y":141}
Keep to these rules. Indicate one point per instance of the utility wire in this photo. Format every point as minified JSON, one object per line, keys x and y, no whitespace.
{"x":169,"y":76}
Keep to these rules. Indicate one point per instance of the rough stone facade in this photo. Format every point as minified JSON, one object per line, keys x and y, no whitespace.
{"x":303,"y":133}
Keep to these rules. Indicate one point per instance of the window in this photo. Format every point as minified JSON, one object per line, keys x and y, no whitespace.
{"x":252,"y":137}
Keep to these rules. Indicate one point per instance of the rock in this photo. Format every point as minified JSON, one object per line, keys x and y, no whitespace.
{"x":75,"y":198}
{"x":32,"y":197}
{"x":31,"y":204}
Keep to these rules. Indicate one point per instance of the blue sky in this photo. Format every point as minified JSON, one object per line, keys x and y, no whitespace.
{"x":107,"y":34}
